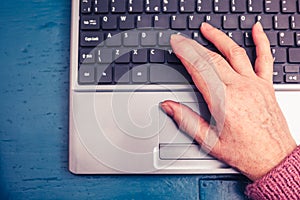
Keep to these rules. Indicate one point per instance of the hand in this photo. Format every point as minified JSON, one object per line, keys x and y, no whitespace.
{"x":251,"y":132}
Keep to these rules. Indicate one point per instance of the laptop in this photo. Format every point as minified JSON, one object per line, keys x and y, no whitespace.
{"x":122,"y":66}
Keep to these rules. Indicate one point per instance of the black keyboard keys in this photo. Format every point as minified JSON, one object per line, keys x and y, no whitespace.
{"x":288,"y":6}
{"x":109,"y":22}
{"x":140,"y":56}
{"x":286,"y":38}
{"x":170,"y":6}
{"x":152,"y":6}
{"x":294,"y":55}
{"x":135,"y":6}
{"x":278,"y":73}
{"x":157,"y":56}
{"x":255,"y":6}
{"x":272,"y":6}
{"x":86,"y":74}
{"x":86,"y":6}
{"x":118,"y":6}
{"x":89,"y":23}
{"x":178,"y":22}
{"x":187,"y":6}
{"x":238,"y":6}
{"x":101,"y":6}
{"x":91,"y":39}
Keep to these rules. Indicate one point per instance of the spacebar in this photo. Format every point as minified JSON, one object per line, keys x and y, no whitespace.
{"x":166,"y":74}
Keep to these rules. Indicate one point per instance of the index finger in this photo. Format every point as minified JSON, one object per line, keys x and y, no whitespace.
{"x":209,"y":71}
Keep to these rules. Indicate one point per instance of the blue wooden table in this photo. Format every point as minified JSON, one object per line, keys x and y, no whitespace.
{"x":34,"y":79}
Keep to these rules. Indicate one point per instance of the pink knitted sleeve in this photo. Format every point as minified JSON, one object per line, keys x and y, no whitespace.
{"x":283,"y":182}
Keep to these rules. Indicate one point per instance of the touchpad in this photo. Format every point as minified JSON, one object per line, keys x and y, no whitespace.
{"x":169,"y":131}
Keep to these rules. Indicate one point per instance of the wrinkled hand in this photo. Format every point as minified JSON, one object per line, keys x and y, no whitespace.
{"x":251,"y":132}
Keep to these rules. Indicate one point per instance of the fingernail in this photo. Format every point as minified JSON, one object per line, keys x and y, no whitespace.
{"x":167,"y":109}
{"x":206,"y":26}
{"x":259,"y":26}
{"x":177,"y":38}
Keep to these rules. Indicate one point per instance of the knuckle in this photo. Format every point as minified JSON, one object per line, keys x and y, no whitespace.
{"x":214,"y":58}
{"x":200,"y":64}
{"x":237,"y":51}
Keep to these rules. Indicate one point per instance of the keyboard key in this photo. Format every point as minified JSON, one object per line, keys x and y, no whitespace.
{"x":295,"y":22}
{"x":139,"y":56}
{"x":118,"y":6}
{"x":167,"y":74}
{"x":104,"y":74}
{"x":135,"y":6}
{"x":89,"y":23}
{"x":121,"y":55}
{"x":255,"y":6}
{"x":237,"y":36}
{"x":86,"y":6}
{"x":90,"y":39}
{"x":266,"y":21}
{"x":164,"y":38}
{"x":230,"y":22}
{"x":161,"y":22}
{"x":170,"y":6}
{"x":178,"y":22}
{"x":148,"y":39}
{"x":121,"y":73}
{"x":286,"y":38}
{"x":195,"y":21}
{"x":186,"y":6}
{"x":143,"y":21}
{"x":288,"y":6}
{"x":199,"y":38}
{"x":153,"y":6}
{"x":204,"y":6}
{"x":238,"y":6}
{"x":171,"y":57}
{"x":104,"y":55}
{"x":87,"y":56}
{"x":86,"y":74}
{"x":214,"y":20}
{"x":157,"y":56}
{"x":272,"y":36}
{"x":248,"y":39}
{"x":126,"y":22}
{"x":109,"y":22}
{"x":221,"y":6}
{"x":279,"y":54}
{"x":291,"y":69}
{"x":140,"y":74}
{"x":292,"y":78}
{"x":272,"y":6}
{"x":247,"y":21}
{"x":294,"y":55}
{"x":113,"y":39}
{"x":278,"y":73}
{"x":281,"y":22}
{"x":297,"y":38}
{"x":130,"y":38}
{"x":101,"y":6}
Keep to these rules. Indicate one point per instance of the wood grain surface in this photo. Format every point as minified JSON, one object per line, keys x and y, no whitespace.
{"x":34,"y":78}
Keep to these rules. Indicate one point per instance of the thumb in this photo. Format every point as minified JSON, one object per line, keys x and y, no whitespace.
{"x":191,"y":123}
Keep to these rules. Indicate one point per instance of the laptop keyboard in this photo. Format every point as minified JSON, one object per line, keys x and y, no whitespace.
{"x":127,"y":41}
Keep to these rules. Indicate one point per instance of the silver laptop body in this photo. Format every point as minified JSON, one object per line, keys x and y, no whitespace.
{"x":120,"y":129}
